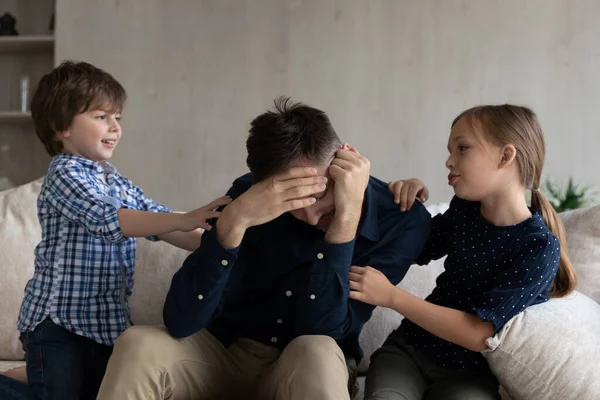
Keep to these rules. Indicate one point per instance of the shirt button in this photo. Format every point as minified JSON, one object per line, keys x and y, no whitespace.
{"x":224,"y":263}
{"x":312,"y":297}
{"x":288,"y":293}
{"x":280,"y":321}
{"x":273,"y":339}
{"x":320,"y":256}
{"x":200,"y":297}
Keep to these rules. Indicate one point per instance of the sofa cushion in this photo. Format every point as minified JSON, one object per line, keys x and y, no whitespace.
{"x":20,"y":232}
{"x":550,"y":351}
{"x":155,"y":264}
{"x":583,"y":242}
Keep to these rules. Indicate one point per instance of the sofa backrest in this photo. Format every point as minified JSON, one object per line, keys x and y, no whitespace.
{"x":157,"y":262}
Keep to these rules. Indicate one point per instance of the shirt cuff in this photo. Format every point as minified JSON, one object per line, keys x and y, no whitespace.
{"x":333,"y":257}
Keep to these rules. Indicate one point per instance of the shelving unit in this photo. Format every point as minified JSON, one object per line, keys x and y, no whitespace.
{"x":14,"y":117}
{"x":31,"y":54}
{"x":26,"y":44}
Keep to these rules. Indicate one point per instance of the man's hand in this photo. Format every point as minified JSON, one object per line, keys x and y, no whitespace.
{"x":405,"y":192}
{"x":350,"y":173}
{"x":198,"y":217}
{"x":288,"y":191}
{"x":267,"y":200}
{"x":371,"y":286}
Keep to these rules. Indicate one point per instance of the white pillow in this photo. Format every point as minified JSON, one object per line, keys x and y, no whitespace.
{"x":550,"y":351}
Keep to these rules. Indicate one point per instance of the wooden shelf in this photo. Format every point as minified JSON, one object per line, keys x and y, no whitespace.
{"x":15,"y":117}
{"x":26,"y":43}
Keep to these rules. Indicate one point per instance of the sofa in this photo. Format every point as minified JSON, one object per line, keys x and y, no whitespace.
{"x":156,"y":262}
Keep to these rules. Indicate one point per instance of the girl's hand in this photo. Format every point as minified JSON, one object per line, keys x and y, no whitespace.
{"x":405,"y":192}
{"x":371,"y":286}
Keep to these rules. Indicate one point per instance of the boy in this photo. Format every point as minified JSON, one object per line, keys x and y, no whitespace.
{"x":75,"y":306}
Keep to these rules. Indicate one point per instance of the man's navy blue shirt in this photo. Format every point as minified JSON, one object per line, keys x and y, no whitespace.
{"x":285,"y":280}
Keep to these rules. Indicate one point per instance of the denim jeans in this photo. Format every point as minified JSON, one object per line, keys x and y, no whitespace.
{"x":60,"y":365}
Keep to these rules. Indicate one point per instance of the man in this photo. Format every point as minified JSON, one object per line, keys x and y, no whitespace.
{"x":261,"y":308}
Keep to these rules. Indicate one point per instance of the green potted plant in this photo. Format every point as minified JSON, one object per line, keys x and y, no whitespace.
{"x":569,"y":198}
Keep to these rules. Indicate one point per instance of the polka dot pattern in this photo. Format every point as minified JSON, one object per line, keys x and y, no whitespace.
{"x":491,"y":271}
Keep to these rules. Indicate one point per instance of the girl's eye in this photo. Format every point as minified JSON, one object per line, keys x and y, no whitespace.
{"x":462,"y":148}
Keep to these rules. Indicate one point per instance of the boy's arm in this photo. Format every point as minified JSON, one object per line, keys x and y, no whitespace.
{"x":189,"y":241}
{"x":136,"y":223}
{"x":182,"y":234}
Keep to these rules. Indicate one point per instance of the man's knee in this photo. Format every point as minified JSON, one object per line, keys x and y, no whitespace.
{"x":139,"y":341}
{"x":314,"y":346}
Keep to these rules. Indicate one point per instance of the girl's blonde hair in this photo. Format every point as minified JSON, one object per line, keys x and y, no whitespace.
{"x":519,"y":126}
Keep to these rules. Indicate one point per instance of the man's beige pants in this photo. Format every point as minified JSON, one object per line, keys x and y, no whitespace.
{"x":147,"y":364}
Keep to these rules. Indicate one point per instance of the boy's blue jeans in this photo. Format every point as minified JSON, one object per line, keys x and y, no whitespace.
{"x":60,"y":365}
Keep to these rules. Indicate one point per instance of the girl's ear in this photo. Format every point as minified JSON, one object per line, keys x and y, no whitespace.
{"x":509,"y":153}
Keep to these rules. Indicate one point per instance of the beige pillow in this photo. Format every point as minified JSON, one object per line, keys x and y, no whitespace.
{"x":155,"y":264}
{"x":20,"y":232}
{"x":550,"y":351}
{"x":583,"y":242}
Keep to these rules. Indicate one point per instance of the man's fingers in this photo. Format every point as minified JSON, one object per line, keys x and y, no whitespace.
{"x":297,"y":204}
{"x":347,"y":154}
{"x":344,"y":164}
{"x":335,"y":171}
{"x":303,"y":191}
{"x":297,"y":182}
{"x":297,"y":172}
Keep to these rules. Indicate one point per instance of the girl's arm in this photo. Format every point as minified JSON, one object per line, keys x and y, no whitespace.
{"x":467,"y":330}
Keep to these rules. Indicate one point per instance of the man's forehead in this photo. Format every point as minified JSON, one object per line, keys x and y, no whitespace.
{"x":322,"y":168}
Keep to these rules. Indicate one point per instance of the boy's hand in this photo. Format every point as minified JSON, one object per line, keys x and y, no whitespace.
{"x":405,"y":192}
{"x":371,"y":286}
{"x":198,"y":218}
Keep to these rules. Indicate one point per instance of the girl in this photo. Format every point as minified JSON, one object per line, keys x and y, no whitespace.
{"x":502,"y":256}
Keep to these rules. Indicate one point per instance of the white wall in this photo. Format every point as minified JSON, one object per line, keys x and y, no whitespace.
{"x":392,"y":74}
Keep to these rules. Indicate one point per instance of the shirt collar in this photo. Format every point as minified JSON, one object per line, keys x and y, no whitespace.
{"x":99,"y":167}
{"x":369,"y":225}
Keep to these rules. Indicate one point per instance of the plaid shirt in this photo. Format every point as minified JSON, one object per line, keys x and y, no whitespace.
{"x":83,"y":265}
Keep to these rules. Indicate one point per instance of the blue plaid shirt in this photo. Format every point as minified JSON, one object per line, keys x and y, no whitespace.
{"x":83,"y":265}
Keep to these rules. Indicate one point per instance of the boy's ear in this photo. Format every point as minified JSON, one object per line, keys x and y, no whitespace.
{"x":63,"y":134}
{"x":509,"y":153}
